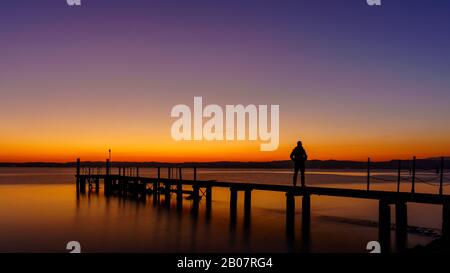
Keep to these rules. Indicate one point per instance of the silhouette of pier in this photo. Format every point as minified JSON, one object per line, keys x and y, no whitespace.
{"x":130,"y":183}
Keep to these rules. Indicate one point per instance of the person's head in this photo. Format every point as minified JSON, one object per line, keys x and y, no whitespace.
{"x":299,"y":143}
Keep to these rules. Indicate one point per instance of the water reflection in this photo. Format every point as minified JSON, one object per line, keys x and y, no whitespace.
{"x":45,"y":217}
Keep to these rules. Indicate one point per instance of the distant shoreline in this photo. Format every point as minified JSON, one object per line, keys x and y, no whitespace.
{"x":429,"y":163}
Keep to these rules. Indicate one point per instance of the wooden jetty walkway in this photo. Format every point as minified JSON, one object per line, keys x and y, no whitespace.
{"x":139,"y":187}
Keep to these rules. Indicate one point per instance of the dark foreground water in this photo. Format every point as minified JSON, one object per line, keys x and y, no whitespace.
{"x":40,"y":212}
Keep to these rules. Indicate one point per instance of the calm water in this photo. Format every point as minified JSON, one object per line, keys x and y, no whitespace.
{"x":40,"y":212}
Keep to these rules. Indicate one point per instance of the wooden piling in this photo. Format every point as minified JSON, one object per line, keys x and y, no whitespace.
{"x":290,"y":211}
{"x":167,"y":187}
{"x":179,"y":195}
{"x":247,"y":207}
{"x":78,"y":174}
{"x":107,"y":180}
{"x":97,"y":185}
{"x":306,"y":209}
{"x":446,"y":222}
{"x":399,"y":171}
{"x":368,"y":173}
{"x":384,"y":225}
{"x":83,"y":185}
{"x":401,"y":225}
{"x":196,"y":198}
{"x":441,"y":180}
{"x":413,"y":175}
{"x":233,"y":204}
{"x":208,"y":197}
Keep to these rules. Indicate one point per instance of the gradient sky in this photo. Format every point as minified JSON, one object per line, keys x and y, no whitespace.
{"x":351,"y":80}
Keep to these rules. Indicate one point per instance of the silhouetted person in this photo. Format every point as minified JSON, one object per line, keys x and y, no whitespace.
{"x":299,"y":157}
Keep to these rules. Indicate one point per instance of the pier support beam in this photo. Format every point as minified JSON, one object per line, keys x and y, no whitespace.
{"x":306,"y":216}
{"x":107,"y":180}
{"x":155,"y":188}
{"x":122,"y":188}
{"x":97,"y":185}
{"x":446,"y":222}
{"x":208,"y":197}
{"x":179,"y":196}
{"x":384,"y":226}
{"x":83,"y":185}
{"x":401,"y":226}
{"x":247,"y":207}
{"x":167,"y":194}
{"x":155,"y":194}
{"x":290,"y":212}
{"x":233,"y":205}
{"x":195,"y":199}
{"x":306,"y":209}
{"x":78,"y":174}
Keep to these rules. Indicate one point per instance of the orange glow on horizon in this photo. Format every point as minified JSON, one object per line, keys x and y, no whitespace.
{"x":171,"y":151}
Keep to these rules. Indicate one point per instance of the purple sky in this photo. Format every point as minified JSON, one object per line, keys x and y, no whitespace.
{"x":342,"y":72}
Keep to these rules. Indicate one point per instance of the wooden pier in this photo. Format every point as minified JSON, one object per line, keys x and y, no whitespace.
{"x":132,"y":184}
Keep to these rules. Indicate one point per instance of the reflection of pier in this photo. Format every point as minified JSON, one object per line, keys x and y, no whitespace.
{"x":125,"y":184}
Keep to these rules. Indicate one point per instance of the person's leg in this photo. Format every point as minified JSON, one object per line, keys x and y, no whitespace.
{"x":295,"y":175}
{"x":302,"y":174}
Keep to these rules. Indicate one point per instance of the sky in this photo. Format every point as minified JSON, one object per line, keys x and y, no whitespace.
{"x":352,"y":80}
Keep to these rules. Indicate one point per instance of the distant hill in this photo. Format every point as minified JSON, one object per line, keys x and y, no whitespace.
{"x":429,"y":163}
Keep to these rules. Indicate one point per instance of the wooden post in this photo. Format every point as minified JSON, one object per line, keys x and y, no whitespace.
{"x":137,"y":171}
{"x":413,"y":175}
{"x":401,"y":225}
{"x":167,"y":187}
{"x":156,"y":188}
{"x":179,"y":195}
{"x":247,"y":207}
{"x":97,"y":185}
{"x":290,"y":211}
{"x":208,"y":197}
{"x":399,"y":175}
{"x":195,"y":173}
{"x":83,"y":185}
{"x":124,"y":186}
{"x":306,"y":209}
{"x":78,"y":174}
{"x":446,"y":222}
{"x":107,"y":180}
{"x":441,"y":180}
{"x":368,"y":173}
{"x":180,"y":173}
{"x":196,"y":198}
{"x":168,"y":172}
{"x":233,"y":205}
{"x":384,"y":226}
{"x":143,"y":191}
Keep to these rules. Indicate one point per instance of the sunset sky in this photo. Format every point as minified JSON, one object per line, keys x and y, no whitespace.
{"x":351,"y":80}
